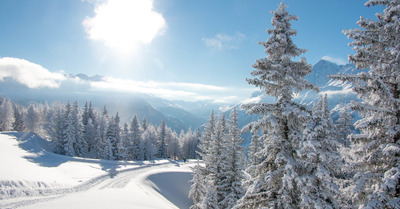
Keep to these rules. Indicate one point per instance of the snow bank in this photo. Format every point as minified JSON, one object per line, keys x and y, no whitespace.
{"x":174,"y":186}
{"x":31,"y":177}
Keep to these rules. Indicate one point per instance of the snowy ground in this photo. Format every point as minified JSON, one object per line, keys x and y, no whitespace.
{"x":31,"y":177}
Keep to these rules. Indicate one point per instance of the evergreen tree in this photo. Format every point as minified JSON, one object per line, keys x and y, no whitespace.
{"x":173,"y":147}
{"x":18,"y":124}
{"x":69,"y":132}
{"x":90,"y":136}
{"x":254,"y":148}
{"x":197,"y":189}
{"x":210,"y":197}
{"x":32,"y":119}
{"x":85,"y":114}
{"x":232,"y":165}
{"x":376,"y":150}
{"x":144,"y":124}
{"x":6,"y":115}
{"x":217,"y":160}
{"x":162,"y":149}
{"x":135,"y":145}
{"x":80,"y":145}
{"x":148,"y":137}
{"x":101,"y":134}
{"x":113,"y":138}
{"x":197,"y":136}
{"x":321,"y":161}
{"x":203,"y":174}
{"x":110,"y":142}
{"x":56,"y":124}
{"x":206,"y":138}
{"x":343,"y":126}
{"x":274,"y":180}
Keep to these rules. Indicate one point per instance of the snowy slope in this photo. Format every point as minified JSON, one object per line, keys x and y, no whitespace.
{"x":31,"y":177}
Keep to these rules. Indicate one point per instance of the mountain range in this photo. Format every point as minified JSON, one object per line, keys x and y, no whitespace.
{"x":179,"y":115}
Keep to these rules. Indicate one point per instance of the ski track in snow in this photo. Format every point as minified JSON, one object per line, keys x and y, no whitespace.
{"x":117,"y":180}
{"x":113,"y":179}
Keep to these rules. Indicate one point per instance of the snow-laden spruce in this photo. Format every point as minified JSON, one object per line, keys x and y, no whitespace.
{"x":321,"y":161}
{"x":376,"y":150}
{"x":219,"y":183}
{"x":276,"y":179}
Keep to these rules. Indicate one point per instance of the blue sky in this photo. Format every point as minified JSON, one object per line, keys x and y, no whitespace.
{"x":187,"y":49}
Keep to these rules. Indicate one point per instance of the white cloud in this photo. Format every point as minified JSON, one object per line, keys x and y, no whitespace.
{"x":223,"y":41}
{"x":122,"y":24}
{"x":29,"y":74}
{"x":335,"y":60}
{"x":173,"y":90}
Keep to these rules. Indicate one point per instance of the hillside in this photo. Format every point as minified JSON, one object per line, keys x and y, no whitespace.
{"x":33,"y":177}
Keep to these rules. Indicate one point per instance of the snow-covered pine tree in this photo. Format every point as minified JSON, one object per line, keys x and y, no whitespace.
{"x":18,"y":124}
{"x":56,"y":126}
{"x":184,"y":140}
{"x":197,"y":136}
{"x":377,"y":148}
{"x":135,"y":148}
{"x":144,"y":124}
{"x":162,"y":148}
{"x":173,"y":147}
{"x":32,"y":119}
{"x":6,"y":115}
{"x":217,"y":160}
{"x":114,"y":136}
{"x":274,"y":182}
{"x":149,"y":147}
{"x":343,"y":126}
{"x":197,"y":189}
{"x":101,"y":134}
{"x":321,"y":161}
{"x":189,"y":141}
{"x":85,"y":114}
{"x":110,"y":141}
{"x":202,"y":173}
{"x":90,"y":136}
{"x":233,"y":166}
{"x":80,"y":145}
{"x":206,"y":138}
{"x":69,"y":132}
{"x":254,"y":148}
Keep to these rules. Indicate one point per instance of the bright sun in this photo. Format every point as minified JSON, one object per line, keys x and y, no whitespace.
{"x":123,"y":24}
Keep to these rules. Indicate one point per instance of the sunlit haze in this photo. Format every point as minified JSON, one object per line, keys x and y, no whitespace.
{"x":180,"y":50}
{"x":124,"y":24}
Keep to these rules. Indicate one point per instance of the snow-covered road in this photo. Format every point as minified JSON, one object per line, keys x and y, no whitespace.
{"x":46,"y":180}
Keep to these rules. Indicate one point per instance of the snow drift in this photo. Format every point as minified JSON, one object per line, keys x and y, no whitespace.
{"x":33,"y":177}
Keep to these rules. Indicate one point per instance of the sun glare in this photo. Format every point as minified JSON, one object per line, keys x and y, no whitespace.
{"x":123,"y":24}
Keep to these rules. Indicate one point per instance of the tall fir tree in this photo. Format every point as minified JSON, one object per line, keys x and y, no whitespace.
{"x":69,"y":132}
{"x":233,"y":165}
{"x":320,"y":161}
{"x":18,"y":124}
{"x":217,"y":160}
{"x":32,"y":119}
{"x":101,"y":134}
{"x":197,"y":189}
{"x":148,"y":137}
{"x":162,"y":148}
{"x":135,"y":149}
{"x":6,"y":115}
{"x":202,"y":174}
{"x":80,"y":146}
{"x":274,"y":182}
{"x":376,"y":149}
{"x":343,"y":126}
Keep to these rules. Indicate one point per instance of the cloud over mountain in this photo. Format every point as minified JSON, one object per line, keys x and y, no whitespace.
{"x":29,"y":74}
